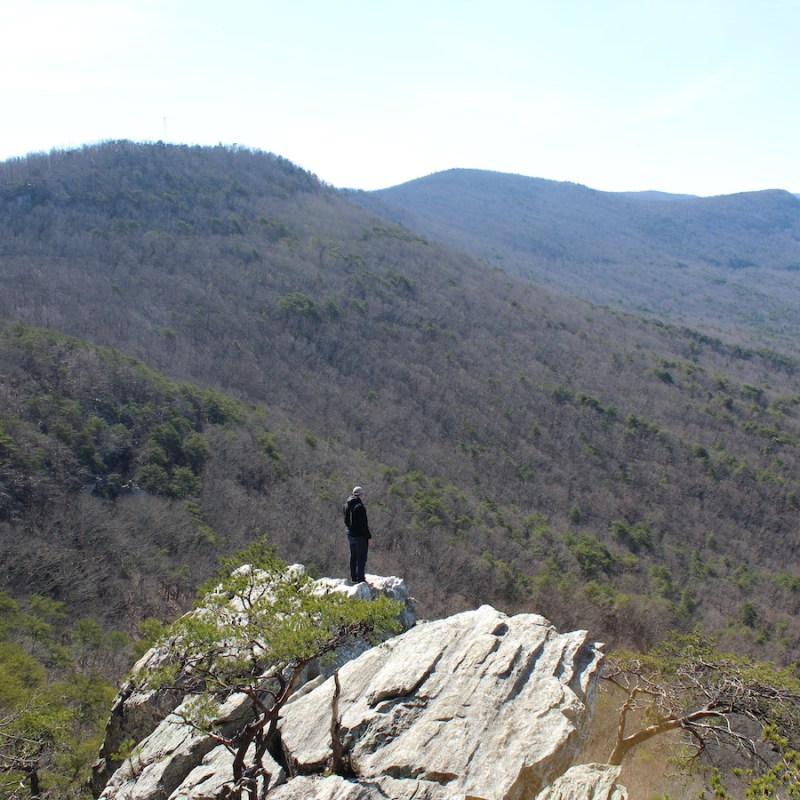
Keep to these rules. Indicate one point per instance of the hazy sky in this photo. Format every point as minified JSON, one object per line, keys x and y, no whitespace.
{"x":697,"y":96}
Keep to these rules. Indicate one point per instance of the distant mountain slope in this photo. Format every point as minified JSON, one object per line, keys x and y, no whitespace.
{"x":729,"y":264}
{"x":520,"y":447}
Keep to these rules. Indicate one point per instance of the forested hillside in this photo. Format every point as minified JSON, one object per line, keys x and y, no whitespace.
{"x":275,"y":344}
{"x":727,"y":265}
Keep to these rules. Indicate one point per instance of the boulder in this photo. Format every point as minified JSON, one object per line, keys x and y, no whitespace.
{"x":333,"y":787}
{"x":213,"y":775}
{"x":586,"y":782}
{"x":143,"y":716}
{"x":159,"y":764}
{"x":478,"y":706}
{"x":486,"y":705}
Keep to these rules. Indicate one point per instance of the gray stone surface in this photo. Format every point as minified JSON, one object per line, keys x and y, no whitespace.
{"x":142,"y":715}
{"x":335,"y":788}
{"x":487,"y":705}
{"x":586,"y":782}
{"x":478,"y":706}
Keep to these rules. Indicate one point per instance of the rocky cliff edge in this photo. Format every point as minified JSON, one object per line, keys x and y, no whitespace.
{"x":478,"y":706}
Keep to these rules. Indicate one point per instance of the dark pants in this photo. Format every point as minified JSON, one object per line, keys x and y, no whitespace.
{"x":359,"y":547}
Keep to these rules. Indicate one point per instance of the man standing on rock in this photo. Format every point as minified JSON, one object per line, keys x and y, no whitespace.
{"x":355,"y":520}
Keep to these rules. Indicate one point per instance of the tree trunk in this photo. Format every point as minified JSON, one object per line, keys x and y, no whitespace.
{"x":626,"y":744}
{"x":337,"y":757}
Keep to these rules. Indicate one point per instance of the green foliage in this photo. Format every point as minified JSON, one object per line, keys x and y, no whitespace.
{"x":183,"y":483}
{"x":748,"y":614}
{"x":8,"y":449}
{"x":268,"y":441}
{"x":299,"y":304}
{"x":635,"y":536}
{"x":399,"y":281}
{"x":55,"y":692}
{"x":686,"y":684}
{"x":715,"y":784}
{"x":779,"y":780}
{"x":664,"y":375}
{"x":592,"y":555}
{"x":255,"y":598}
{"x":432,"y":503}
{"x":561,"y":394}
{"x":743,"y":577}
{"x":150,"y":631}
{"x":639,"y":426}
{"x":275,"y":229}
{"x":782,"y":778}
{"x":256,"y":626}
{"x":661,"y":582}
{"x":605,"y":595}
{"x":133,"y":425}
{"x":587,"y":400}
{"x":787,"y":581}
{"x":175,"y":457}
{"x":698,"y":451}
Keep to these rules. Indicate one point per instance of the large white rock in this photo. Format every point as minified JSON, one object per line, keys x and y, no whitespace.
{"x":333,"y":787}
{"x":159,"y":764}
{"x":175,"y":763}
{"x":486,"y":705}
{"x":586,"y":782}
{"x":479,"y":706}
{"x":209,"y":779}
{"x":167,"y":750}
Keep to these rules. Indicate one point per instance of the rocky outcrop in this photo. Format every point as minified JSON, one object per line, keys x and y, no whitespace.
{"x":586,"y":782}
{"x":336,"y":788}
{"x":146,"y":718}
{"x":479,"y":706}
{"x":486,"y":705}
{"x":583,"y":782}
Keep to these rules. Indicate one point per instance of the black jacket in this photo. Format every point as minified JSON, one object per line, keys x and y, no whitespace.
{"x":358,"y":517}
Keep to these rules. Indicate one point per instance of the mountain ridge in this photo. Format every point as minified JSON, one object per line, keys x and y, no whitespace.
{"x":692,"y":260}
{"x":521,"y":447}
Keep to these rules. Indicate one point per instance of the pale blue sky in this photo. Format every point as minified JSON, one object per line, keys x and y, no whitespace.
{"x":698,"y":97}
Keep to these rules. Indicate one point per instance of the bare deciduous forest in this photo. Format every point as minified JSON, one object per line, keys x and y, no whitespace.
{"x":726,"y":265}
{"x":204,"y":344}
